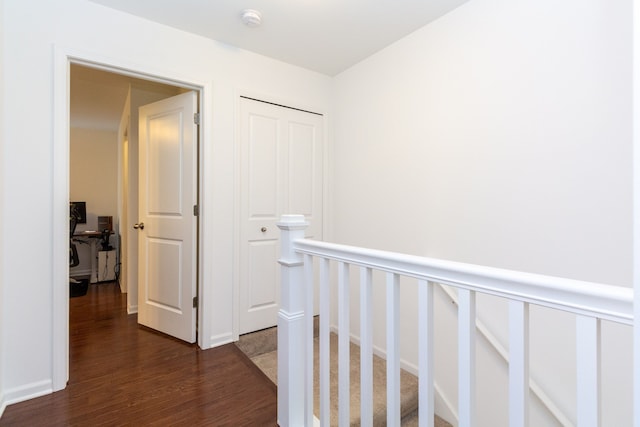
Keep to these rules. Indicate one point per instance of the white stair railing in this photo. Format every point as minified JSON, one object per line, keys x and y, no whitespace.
{"x":591,"y":302}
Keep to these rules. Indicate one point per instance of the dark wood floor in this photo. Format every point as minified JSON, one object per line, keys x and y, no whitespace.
{"x":122,"y":374}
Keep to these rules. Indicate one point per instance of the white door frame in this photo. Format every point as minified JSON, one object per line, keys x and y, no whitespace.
{"x":63,"y":57}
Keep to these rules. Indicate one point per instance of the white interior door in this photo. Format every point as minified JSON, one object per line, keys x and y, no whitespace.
{"x":166,"y":223}
{"x":281,"y":173}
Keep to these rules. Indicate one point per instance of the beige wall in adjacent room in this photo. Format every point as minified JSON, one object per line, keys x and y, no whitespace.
{"x":93,"y":178}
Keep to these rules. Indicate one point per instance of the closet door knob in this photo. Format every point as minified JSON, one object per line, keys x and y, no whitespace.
{"x":139,"y":226}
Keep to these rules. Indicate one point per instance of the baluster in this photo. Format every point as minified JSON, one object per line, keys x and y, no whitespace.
{"x":324,"y":350}
{"x":588,"y":370}
{"x":366,"y":348}
{"x":308,"y":314}
{"x":393,"y":357}
{"x":343,"y":345}
{"x":518,"y":363}
{"x":466,"y":357}
{"x":425,"y":335}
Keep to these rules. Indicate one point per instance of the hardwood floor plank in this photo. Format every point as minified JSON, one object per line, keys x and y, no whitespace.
{"x":123,"y":374}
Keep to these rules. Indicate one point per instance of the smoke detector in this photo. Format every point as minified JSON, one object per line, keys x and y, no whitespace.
{"x":251,"y":18}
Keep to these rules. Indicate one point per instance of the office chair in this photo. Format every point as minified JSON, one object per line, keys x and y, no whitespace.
{"x":74,"y":216}
{"x":77,"y":287}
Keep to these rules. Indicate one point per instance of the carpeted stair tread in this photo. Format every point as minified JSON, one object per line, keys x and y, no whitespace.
{"x":259,"y":342}
{"x":261,"y":349}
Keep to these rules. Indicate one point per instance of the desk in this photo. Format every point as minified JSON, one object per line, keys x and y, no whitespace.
{"x":90,"y":234}
{"x":92,"y":238}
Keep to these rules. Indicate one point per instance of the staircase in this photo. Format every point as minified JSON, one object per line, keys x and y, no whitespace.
{"x":261,"y":348}
{"x":311,"y":267}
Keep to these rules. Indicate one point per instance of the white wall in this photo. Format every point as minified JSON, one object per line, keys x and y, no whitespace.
{"x":30,"y":32}
{"x":499,"y":135}
{"x":93,"y":178}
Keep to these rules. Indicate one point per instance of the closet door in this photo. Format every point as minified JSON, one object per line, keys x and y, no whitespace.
{"x":281,"y":173}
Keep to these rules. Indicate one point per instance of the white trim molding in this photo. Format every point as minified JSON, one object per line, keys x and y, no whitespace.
{"x":60,"y":228}
{"x":83,"y":272}
{"x":636,"y":208}
{"x":3,"y":404}
{"x":26,"y":392}
{"x":220,"y":339}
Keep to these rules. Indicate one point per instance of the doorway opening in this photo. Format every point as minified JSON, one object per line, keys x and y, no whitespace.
{"x":103,"y":167}
{"x":71,"y":132}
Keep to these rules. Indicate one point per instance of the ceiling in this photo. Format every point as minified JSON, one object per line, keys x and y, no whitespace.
{"x":97,"y":97}
{"x":327,"y":36}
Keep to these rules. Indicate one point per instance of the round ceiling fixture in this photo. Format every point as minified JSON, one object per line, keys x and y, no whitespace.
{"x":251,"y":18}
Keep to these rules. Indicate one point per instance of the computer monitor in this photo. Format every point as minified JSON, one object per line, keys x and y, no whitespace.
{"x":81,"y":211}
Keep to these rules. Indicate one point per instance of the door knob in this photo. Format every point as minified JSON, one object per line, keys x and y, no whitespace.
{"x":140,"y":226}
{"x":263,"y":229}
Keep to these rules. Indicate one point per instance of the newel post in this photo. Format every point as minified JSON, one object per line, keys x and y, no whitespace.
{"x":291,"y":344}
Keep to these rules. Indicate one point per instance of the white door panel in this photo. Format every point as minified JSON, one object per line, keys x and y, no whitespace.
{"x":260,"y":267}
{"x":301,"y":169}
{"x":164,"y":162}
{"x":167,"y":255}
{"x":305,"y":170}
{"x":262,"y":166}
{"x":281,"y":172}
{"x":168,"y":192}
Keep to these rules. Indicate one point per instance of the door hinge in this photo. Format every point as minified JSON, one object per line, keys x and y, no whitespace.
{"x":195,"y":302}
{"x":196,"y":210}
{"x":196,"y":118}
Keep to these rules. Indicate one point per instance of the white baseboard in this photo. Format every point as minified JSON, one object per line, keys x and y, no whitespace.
{"x":73,"y":272}
{"x":133,"y":309}
{"x":26,"y":392}
{"x":443,"y":406}
{"x":3,"y":404}
{"x":220,"y":339}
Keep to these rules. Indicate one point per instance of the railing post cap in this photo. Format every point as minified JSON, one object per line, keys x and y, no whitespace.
{"x":291,"y":222}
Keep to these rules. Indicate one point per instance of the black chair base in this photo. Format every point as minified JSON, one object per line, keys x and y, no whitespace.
{"x":78,"y":287}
